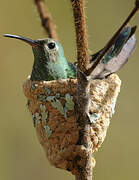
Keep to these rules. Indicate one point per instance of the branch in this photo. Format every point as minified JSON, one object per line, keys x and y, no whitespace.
{"x":82,"y":108}
{"x":113,"y":39}
{"x":84,"y":169}
{"x":81,"y":37}
{"x":46,"y":20}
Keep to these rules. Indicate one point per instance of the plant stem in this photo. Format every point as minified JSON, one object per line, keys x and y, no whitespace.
{"x":83,"y":163}
{"x":113,"y":39}
{"x":46,"y":20}
{"x":81,"y":36}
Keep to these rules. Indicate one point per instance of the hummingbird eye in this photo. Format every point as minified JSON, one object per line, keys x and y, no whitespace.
{"x":51,"y":45}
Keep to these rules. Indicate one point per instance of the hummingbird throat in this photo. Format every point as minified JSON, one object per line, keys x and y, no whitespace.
{"x":48,"y":67}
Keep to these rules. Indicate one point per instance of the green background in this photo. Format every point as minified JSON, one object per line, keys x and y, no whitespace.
{"x":21,"y":156}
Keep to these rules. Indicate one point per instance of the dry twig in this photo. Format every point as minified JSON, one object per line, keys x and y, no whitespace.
{"x":113,"y":39}
{"x":46,"y":19}
{"x":84,"y":169}
{"x":81,"y":36}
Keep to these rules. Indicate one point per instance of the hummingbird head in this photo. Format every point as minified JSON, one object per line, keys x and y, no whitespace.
{"x":49,"y":60}
{"x":51,"y":49}
{"x":48,"y":47}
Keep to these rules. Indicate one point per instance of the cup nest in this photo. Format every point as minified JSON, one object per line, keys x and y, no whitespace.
{"x":52,"y":106}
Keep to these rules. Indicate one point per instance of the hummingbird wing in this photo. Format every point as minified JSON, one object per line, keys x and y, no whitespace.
{"x":71,"y":71}
{"x":117,"y":56}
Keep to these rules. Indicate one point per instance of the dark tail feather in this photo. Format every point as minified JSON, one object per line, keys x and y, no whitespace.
{"x":133,"y":30}
{"x":94,"y":56}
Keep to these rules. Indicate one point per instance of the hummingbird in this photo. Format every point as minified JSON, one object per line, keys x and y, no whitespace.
{"x":50,"y":62}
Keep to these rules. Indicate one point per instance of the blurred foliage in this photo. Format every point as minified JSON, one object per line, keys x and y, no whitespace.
{"x":21,"y":156}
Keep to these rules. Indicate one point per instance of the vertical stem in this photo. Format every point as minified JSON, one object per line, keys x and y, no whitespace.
{"x":81,"y":37}
{"x":83,"y":93}
{"x":83,"y":163}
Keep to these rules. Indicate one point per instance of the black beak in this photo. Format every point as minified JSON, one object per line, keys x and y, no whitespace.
{"x":27,"y":40}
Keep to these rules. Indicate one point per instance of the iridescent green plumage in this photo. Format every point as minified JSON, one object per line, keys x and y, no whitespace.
{"x":50,"y":62}
{"x":117,"y":56}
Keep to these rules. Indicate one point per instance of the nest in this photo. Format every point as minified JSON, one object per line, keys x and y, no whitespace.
{"x":52,"y":104}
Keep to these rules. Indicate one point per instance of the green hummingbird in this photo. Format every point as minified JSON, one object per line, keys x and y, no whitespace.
{"x":50,"y":62}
